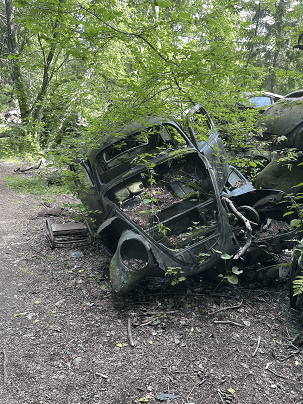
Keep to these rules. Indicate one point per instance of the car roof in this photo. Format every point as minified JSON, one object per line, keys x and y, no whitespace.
{"x":282,"y":117}
{"x":295,"y":94}
{"x":134,"y":126}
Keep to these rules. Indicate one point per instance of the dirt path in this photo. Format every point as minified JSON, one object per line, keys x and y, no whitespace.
{"x":64,"y":334}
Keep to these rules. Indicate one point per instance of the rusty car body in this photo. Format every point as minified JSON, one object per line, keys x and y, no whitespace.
{"x":167,"y":202}
{"x":281,"y":127}
{"x":284,"y":121}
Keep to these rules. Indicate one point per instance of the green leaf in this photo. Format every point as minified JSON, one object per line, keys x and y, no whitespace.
{"x":143,"y":400}
{"x":295,"y":223}
{"x":232,"y":391}
{"x":288,"y":213}
{"x":233,"y":279}
{"x":186,"y":16}
{"x":236,"y":271}
{"x":226,"y":257}
{"x":119,"y":345}
{"x":164,"y":3}
{"x":16,"y":315}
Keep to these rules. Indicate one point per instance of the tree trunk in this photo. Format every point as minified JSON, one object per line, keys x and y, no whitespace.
{"x":279,"y":16}
{"x":16,"y":70}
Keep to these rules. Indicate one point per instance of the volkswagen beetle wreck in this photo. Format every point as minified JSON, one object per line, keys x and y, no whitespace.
{"x":281,"y":126}
{"x":168,"y":203}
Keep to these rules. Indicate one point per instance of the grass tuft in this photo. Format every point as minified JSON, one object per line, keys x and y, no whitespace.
{"x":35,"y":186}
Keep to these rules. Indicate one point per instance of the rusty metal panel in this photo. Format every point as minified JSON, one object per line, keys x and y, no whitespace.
{"x":59,"y":235}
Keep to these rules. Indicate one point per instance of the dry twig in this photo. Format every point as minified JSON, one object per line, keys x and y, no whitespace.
{"x":291,"y":343}
{"x":220,"y":395}
{"x":256,"y":350}
{"x":101,"y":375}
{"x":247,"y":225}
{"x":196,"y":385}
{"x":22,"y":170}
{"x":148,"y":322}
{"x":152,"y":313}
{"x":4,"y":366}
{"x":289,"y":356}
{"x":271,"y":371}
{"x":228,"y":322}
{"x":129,"y":330}
{"x":227,"y":308}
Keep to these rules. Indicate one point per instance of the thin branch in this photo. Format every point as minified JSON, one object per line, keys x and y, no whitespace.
{"x":255,"y":34}
{"x":291,"y":343}
{"x":42,"y":49}
{"x":271,"y":371}
{"x":289,"y":356}
{"x":22,"y":170}
{"x":228,"y":322}
{"x":196,"y":385}
{"x":227,"y":308}
{"x":131,"y":34}
{"x":247,"y":225}
{"x":129,"y":331}
{"x":256,"y":350}
{"x":148,"y":322}
{"x":220,"y":395}
{"x":4,"y":366}
{"x":59,"y":67}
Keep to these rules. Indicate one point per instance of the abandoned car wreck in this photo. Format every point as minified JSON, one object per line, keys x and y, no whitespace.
{"x":167,"y":203}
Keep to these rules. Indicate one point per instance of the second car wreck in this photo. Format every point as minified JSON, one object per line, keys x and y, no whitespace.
{"x":168,"y":204}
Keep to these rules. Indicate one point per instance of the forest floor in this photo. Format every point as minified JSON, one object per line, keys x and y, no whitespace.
{"x":64,"y":334}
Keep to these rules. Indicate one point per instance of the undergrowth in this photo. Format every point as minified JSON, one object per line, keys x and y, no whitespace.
{"x":36,"y":186}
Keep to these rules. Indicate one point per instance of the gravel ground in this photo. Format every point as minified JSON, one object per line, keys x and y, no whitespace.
{"x":64,"y":335}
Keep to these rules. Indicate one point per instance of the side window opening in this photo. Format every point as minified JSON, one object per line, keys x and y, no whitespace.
{"x":201,"y":126}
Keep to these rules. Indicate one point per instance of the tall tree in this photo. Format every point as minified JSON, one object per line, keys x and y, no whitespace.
{"x":14,"y":56}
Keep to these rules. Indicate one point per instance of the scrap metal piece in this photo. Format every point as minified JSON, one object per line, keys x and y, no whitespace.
{"x":59,"y":235}
{"x":131,"y":262}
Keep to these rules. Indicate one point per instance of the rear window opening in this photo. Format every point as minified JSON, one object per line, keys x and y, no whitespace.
{"x":137,"y":149}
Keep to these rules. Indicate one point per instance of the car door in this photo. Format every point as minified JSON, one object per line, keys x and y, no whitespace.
{"x":207,"y":140}
{"x":88,"y":191}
